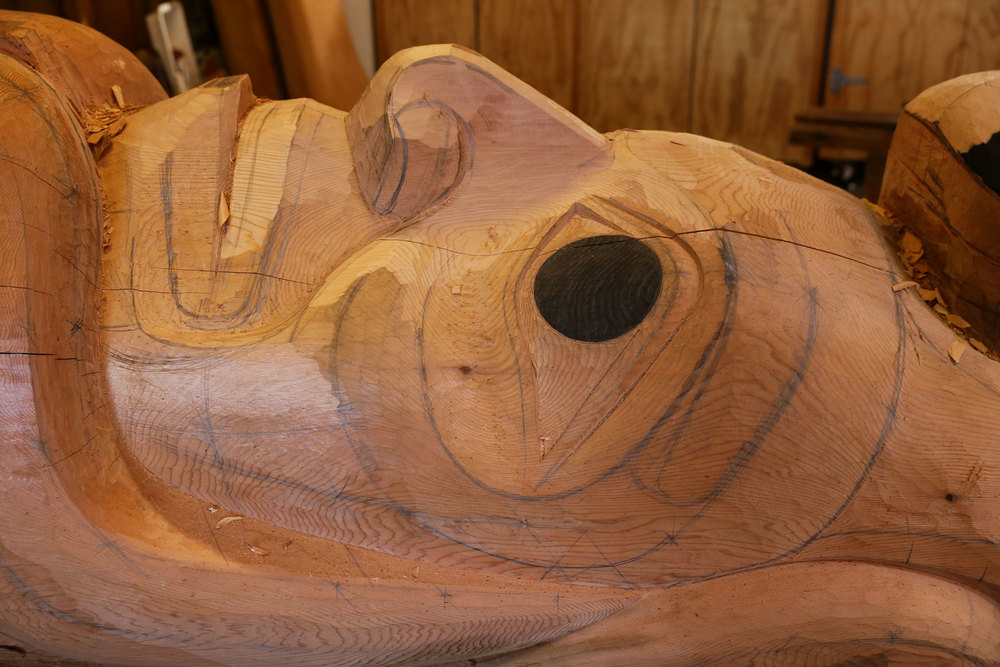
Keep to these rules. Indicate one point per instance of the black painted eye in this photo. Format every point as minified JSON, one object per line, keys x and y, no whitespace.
{"x":598,"y":288}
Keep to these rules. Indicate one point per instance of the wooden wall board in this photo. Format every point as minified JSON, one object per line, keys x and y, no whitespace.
{"x":248,"y":44}
{"x":534,"y":41}
{"x":734,"y":71}
{"x":900,"y":47}
{"x":317,"y":54}
{"x":38,"y":6}
{"x":634,"y":64}
{"x":981,"y":46}
{"x":400,"y":24}
{"x":756,"y":64}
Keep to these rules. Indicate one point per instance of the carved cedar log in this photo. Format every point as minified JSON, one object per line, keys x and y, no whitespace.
{"x":942,"y":181}
{"x":452,"y":376}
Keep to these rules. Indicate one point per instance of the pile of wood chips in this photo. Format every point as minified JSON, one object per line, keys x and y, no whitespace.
{"x":911,"y":254}
{"x":102,"y":124}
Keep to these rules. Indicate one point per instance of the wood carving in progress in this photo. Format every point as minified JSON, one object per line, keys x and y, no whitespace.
{"x":452,"y":377}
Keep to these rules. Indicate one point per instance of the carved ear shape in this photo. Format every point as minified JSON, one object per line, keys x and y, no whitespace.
{"x":434,"y":113}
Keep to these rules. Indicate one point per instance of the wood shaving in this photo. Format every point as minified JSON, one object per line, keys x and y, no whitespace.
{"x":881,"y":212}
{"x":99,"y":135}
{"x":920,"y":269}
{"x":223,"y":210}
{"x":108,"y":229}
{"x":910,"y":244}
{"x":957,"y":321}
{"x":911,"y":255}
{"x":957,"y":349}
{"x":544,"y":447}
{"x":116,"y":92}
{"x":228,"y":519}
{"x":97,"y":119}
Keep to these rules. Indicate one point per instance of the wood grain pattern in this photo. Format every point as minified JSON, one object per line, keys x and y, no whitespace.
{"x":78,"y":493}
{"x":400,"y":24}
{"x":56,"y":48}
{"x":634,"y":64}
{"x":899,"y":47}
{"x":836,"y":614}
{"x":282,"y":389}
{"x":534,"y":41}
{"x":980,"y":48}
{"x":756,"y":65}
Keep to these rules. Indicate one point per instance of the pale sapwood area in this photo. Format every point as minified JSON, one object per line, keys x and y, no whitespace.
{"x":453,"y":377}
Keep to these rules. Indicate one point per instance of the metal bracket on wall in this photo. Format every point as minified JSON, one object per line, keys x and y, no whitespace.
{"x":839,"y":80}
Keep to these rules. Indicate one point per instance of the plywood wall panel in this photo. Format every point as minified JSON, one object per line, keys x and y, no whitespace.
{"x":981,"y":46}
{"x":757,"y":62}
{"x":900,"y":47}
{"x":400,"y":24}
{"x":248,"y":44}
{"x":533,"y":40}
{"x":317,"y":52}
{"x":634,"y":64}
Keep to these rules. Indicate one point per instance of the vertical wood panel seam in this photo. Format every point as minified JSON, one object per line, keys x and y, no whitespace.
{"x":265,"y":10}
{"x":477,"y":17}
{"x":824,"y":73}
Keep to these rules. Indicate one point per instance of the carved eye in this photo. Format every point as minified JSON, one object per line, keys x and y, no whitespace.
{"x":598,"y":288}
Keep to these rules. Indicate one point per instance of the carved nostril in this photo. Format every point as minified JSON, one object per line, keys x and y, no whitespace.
{"x":598,"y":288}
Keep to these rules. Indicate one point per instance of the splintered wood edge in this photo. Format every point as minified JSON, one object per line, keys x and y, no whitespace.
{"x":949,"y":107}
